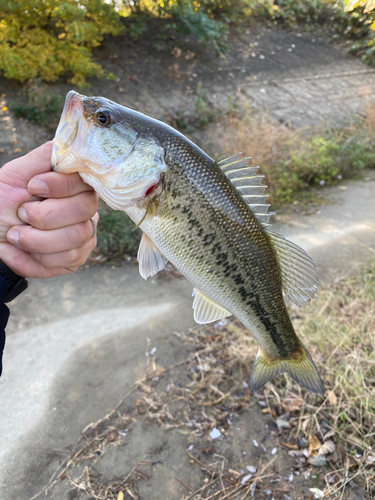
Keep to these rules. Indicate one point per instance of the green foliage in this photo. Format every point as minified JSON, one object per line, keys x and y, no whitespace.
{"x":310,"y":12}
{"x":204,"y":111}
{"x":47,"y":38}
{"x":190,"y":19}
{"x":320,"y":160}
{"x":358,"y":26}
{"x":115,"y":234}
{"x":138,"y":27}
{"x":353,"y":20}
{"x":42,"y":108}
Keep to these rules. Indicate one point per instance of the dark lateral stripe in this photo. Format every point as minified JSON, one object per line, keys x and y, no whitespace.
{"x":271,"y":327}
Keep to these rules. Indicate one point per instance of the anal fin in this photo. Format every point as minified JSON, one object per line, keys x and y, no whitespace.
{"x":206,"y":310}
{"x":150,"y":259}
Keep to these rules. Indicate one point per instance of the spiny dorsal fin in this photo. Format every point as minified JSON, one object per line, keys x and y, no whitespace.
{"x":206,"y":310}
{"x":299,"y":274}
{"x":150,"y":259}
{"x":245,"y":179}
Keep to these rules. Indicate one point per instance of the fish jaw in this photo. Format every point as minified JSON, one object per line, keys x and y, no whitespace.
{"x":70,"y":136}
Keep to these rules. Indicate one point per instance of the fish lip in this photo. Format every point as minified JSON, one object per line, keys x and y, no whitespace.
{"x":68,"y":122}
{"x":73,"y":100}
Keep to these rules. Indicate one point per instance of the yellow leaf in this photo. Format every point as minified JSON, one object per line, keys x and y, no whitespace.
{"x":120,"y":495}
{"x":315,"y":444}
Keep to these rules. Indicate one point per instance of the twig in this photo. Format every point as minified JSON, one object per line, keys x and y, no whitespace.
{"x":200,"y":463}
{"x":183,"y":484}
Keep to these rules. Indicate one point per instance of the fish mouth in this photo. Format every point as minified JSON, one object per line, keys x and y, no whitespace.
{"x":69,"y":135}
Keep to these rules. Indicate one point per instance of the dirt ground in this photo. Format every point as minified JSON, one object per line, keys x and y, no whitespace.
{"x":163,"y":441}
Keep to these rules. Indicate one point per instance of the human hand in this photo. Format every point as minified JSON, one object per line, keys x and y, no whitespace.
{"x":45,"y":226}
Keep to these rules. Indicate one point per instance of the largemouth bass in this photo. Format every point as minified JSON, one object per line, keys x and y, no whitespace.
{"x":209,"y":218}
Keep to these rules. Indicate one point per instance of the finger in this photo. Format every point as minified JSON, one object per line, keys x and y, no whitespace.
{"x":70,"y":259}
{"x":23,"y":264}
{"x":57,"y":213}
{"x":35,"y":240}
{"x":34,"y":163}
{"x":56,"y":185}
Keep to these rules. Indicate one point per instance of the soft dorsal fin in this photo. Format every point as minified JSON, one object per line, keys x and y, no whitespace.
{"x":206,"y":310}
{"x":299,"y":274}
{"x":150,"y":259}
{"x":245,"y":179}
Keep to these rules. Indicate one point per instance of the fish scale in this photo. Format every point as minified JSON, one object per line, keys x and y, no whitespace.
{"x":209,"y":218}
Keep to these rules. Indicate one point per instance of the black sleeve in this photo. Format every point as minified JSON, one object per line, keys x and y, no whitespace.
{"x":4,"y":315}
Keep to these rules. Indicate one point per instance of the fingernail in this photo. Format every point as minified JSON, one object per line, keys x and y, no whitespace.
{"x":37,"y":186}
{"x":13,"y":236}
{"x":22,"y":214}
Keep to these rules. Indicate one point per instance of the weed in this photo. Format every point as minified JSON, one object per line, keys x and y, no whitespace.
{"x":205,"y":113}
{"x":291,"y":159}
{"x":196,"y":21}
{"x":42,"y":108}
{"x":116,"y":235}
{"x":137,"y":28}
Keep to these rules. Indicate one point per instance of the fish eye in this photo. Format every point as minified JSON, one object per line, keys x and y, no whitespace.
{"x":103,"y":117}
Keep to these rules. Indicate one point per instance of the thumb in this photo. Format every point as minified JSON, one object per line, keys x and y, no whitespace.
{"x":31,"y":164}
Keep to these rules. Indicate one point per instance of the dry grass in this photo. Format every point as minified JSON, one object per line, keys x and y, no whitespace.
{"x":290,"y":159}
{"x":334,"y":436}
{"x":339,"y":329}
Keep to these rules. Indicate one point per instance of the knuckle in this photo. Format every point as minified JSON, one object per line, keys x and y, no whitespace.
{"x":39,"y":258}
{"x":71,"y":183}
{"x":81,"y":232}
{"x":74,"y":256}
{"x":72,"y":269}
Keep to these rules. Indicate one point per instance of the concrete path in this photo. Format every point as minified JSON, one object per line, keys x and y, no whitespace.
{"x":76,"y":344}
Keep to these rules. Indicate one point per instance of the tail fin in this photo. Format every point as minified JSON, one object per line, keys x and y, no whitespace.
{"x":301,"y":368}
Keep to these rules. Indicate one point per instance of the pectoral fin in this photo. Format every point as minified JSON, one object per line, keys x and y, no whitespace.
{"x":206,"y":310}
{"x":150,"y":259}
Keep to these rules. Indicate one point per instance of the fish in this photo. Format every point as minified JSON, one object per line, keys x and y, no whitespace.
{"x":208,"y":217}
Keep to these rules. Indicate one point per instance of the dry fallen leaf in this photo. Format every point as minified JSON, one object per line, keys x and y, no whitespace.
{"x":291,"y":446}
{"x":292,"y":402}
{"x":189,"y":55}
{"x":176,"y":52}
{"x":314,"y":445}
{"x":329,"y":434}
{"x":326,"y":448}
{"x":332,"y":398}
{"x":120,"y":495}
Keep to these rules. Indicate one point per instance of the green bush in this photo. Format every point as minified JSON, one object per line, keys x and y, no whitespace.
{"x":353,"y":20}
{"x":190,"y":19}
{"x":48,"y":38}
{"x":116,"y":235}
{"x":320,"y":160}
{"x":42,"y":108}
